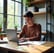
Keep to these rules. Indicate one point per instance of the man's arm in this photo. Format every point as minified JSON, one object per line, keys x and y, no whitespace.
{"x":31,"y":38}
{"x":20,"y":35}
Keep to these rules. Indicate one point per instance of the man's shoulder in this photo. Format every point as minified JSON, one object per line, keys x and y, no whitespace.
{"x":37,"y":24}
{"x":24,"y":26}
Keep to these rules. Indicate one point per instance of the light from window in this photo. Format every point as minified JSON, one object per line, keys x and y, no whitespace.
{"x":1,"y":21}
{"x":23,"y":14}
{"x":10,"y":7}
{"x":1,"y":14}
{"x":13,"y":15}
{"x":1,"y":6}
{"x":10,"y":22}
{"x":18,"y":9}
{"x":18,"y":0}
{"x":18,"y":22}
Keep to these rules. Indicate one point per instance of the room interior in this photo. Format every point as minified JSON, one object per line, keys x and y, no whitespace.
{"x":11,"y":19}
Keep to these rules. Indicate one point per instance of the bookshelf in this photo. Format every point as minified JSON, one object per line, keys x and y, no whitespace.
{"x":36,"y":2}
{"x":39,"y":13}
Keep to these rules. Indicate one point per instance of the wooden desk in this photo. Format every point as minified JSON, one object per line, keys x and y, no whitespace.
{"x":12,"y":46}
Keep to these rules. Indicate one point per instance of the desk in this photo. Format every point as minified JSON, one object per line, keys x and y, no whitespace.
{"x":12,"y":46}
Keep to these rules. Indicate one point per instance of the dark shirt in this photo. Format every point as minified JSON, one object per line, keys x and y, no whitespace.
{"x":33,"y":31}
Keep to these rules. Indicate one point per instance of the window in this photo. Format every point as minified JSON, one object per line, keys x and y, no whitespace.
{"x":17,"y":9}
{"x":10,"y":7}
{"x":1,"y":20}
{"x":18,"y":0}
{"x":1,"y":6}
{"x":1,"y":13}
{"x":14,"y":14}
{"x":24,"y":13}
{"x":17,"y":21}
{"x":10,"y":22}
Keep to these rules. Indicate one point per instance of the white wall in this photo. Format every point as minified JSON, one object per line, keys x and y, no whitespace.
{"x":42,"y":20}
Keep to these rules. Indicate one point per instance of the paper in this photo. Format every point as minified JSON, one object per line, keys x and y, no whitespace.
{"x":22,"y":48}
{"x":33,"y":42}
{"x":38,"y":42}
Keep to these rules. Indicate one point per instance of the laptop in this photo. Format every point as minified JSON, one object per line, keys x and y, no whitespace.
{"x":12,"y":35}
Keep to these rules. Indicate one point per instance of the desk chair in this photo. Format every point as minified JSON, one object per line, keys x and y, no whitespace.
{"x":42,"y":37}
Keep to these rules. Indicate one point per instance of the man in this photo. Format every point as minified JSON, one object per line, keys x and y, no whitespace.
{"x":30,"y":31}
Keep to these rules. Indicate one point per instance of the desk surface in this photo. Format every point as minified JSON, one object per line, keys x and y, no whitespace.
{"x":33,"y":48}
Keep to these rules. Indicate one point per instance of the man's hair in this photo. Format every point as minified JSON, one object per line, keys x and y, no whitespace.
{"x":29,"y":14}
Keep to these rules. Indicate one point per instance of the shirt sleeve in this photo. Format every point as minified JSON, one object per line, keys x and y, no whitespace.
{"x":22,"y":32}
{"x":38,"y":32}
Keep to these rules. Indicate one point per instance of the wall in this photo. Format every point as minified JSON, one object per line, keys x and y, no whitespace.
{"x":42,"y":20}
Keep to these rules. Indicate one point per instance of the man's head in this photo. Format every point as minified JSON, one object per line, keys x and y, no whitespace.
{"x":28,"y":17}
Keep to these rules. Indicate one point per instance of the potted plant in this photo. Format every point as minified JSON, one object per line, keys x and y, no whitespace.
{"x":0,"y":27}
{"x":16,"y":27}
{"x":1,"y":32}
{"x":1,"y":23}
{"x":26,"y":2}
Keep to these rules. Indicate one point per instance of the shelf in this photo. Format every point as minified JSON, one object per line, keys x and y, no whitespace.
{"x":39,"y":13}
{"x":37,"y":2}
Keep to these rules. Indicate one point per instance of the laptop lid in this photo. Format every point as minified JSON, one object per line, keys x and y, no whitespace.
{"x":12,"y":35}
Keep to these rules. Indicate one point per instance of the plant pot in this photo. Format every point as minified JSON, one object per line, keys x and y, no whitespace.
{"x":1,"y":36}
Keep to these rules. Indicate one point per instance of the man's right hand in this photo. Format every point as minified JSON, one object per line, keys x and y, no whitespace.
{"x":21,"y":40}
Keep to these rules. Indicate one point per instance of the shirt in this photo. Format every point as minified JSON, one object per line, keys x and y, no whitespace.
{"x":33,"y":31}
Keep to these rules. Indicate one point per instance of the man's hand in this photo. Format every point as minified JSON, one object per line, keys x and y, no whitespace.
{"x":23,"y":39}
{"x":27,"y":39}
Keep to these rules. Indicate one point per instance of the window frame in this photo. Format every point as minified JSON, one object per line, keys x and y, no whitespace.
{"x":17,"y":15}
{"x":2,"y":13}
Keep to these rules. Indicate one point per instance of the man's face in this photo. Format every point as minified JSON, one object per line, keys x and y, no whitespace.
{"x":28,"y":19}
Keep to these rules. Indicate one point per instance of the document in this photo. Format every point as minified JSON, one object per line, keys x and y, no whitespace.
{"x":33,"y":42}
{"x":22,"y":48}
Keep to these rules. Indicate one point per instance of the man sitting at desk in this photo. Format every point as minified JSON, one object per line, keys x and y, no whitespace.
{"x":30,"y":31}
